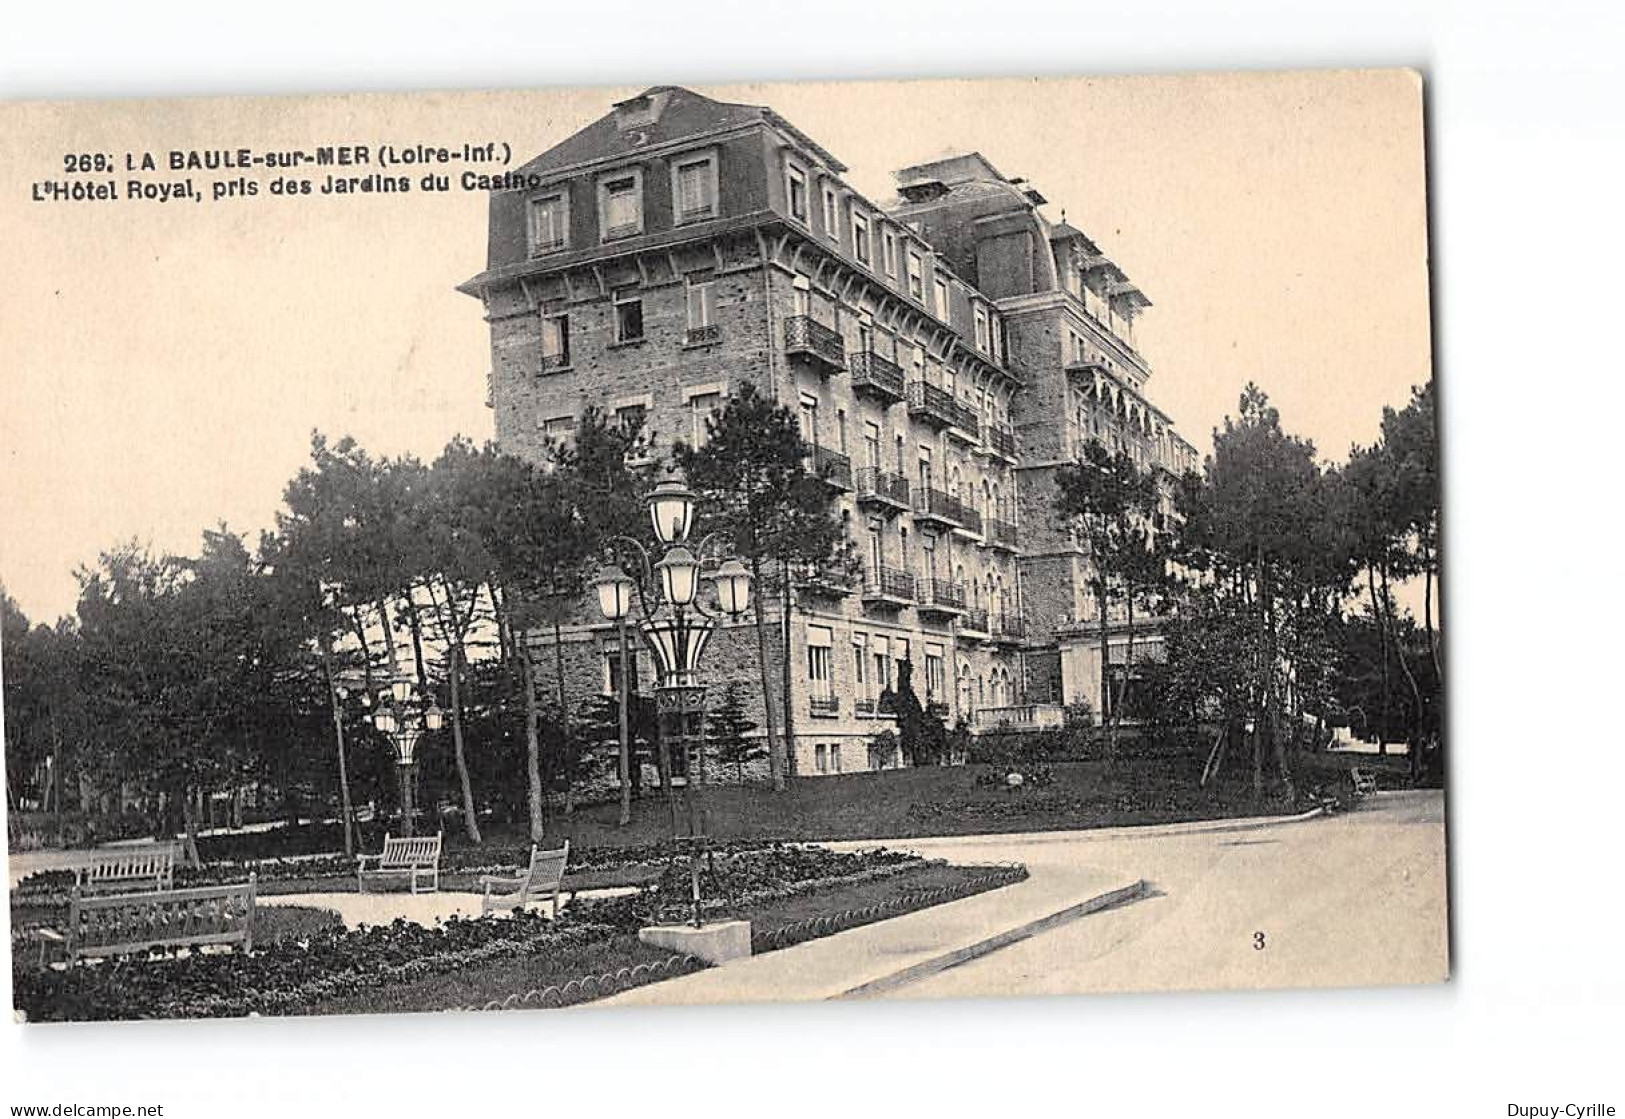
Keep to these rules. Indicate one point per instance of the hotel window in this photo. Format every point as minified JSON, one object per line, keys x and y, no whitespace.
{"x":809,"y":419}
{"x":700,"y":407}
{"x":860,"y":664}
{"x":620,"y":205}
{"x":984,"y":340}
{"x":942,"y":298}
{"x":935,"y":681}
{"x":628,"y":316}
{"x":866,"y":333}
{"x":835,"y":757}
{"x":612,"y":671}
{"x":549,"y":223}
{"x":888,"y":253}
{"x":795,"y":191}
{"x":917,"y":363}
{"x":555,"y":342}
{"x":821,"y":758}
{"x":916,"y":276}
{"x":801,"y":299}
{"x":820,"y":644}
{"x":882,"y":663}
{"x":860,"y":237}
{"x":630,"y":418}
{"x":996,"y":337}
{"x":871,"y":444}
{"x":702,"y":307}
{"x":694,"y":188}
{"x":928,"y":555}
{"x":559,"y":427}
{"x":832,"y":213}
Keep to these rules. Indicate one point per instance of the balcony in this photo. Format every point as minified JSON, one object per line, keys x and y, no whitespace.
{"x":703,"y":335}
{"x":867,"y":707}
{"x":932,"y":406}
{"x":824,"y":580}
{"x":941,"y":597}
{"x":815,"y":343}
{"x":882,"y":491}
{"x":964,"y":423}
{"x":888,"y":587}
{"x":998,"y":441}
{"x":876,"y":377}
{"x":1002,"y":535}
{"x":552,"y":363}
{"x":825,"y":706}
{"x":938,"y":708}
{"x":973,"y":624}
{"x":1088,"y":366}
{"x":970,"y":522}
{"x":935,"y":507}
{"x":833,"y":469}
{"x":1008,"y":629}
{"x":1021,"y":717}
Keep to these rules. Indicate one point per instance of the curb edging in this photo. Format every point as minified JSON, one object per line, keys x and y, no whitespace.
{"x":1123,"y":895}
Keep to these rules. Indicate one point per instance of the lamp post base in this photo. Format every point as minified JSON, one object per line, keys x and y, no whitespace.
{"x":715,"y":943}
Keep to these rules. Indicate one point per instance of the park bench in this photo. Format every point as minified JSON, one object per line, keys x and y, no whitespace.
{"x":539,"y":883}
{"x":104,"y":925}
{"x":147,"y":867}
{"x":1365,"y":782}
{"x":414,"y":859}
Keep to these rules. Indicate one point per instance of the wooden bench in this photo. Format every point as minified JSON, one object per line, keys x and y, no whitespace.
{"x":124,"y":924}
{"x":415,"y":859}
{"x":1365,"y":782}
{"x":539,"y":883}
{"x":124,"y":870}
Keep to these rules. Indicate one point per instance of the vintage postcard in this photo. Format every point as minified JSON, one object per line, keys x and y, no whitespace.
{"x":666,"y":544}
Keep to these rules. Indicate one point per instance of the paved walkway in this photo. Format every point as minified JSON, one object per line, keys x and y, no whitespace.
{"x":833,"y":965}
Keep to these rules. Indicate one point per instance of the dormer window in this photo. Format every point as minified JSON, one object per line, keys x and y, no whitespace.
{"x":694,"y":187}
{"x":984,"y":341}
{"x":888,"y":252}
{"x":549,"y":222}
{"x":832,"y":213}
{"x":942,"y":298}
{"x":620,"y":204}
{"x":916,"y":276}
{"x":860,"y":236}
{"x":795,"y":192}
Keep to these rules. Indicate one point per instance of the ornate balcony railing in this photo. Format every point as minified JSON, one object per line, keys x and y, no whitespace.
{"x":1009,"y":627}
{"x":866,"y":706}
{"x":876,"y":376}
{"x":942,"y":595}
{"x":831,"y":580}
{"x":703,"y":335}
{"x":974,"y":621}
{"x":1022,"y":716}
{"x":807,"y":338}
{"x":824,"y":704}
{"x":963,"y":421}
{"x":932,"y":405}
{"x":970,"y":520}
{"x":888,"y":584}
{"x":834,"y":468}
{"x":880,"y":487}
{"x":1003,"y":534}
{"x":552,"y":362}
{"x":935,"y":505}
{"x":999,"y":439}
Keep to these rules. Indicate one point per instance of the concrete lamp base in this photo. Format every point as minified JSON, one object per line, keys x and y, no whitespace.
{"x":716,"y":942}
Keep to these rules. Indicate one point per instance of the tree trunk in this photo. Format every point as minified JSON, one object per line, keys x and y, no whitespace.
{"x":533,"y":741}
{"x":345,"y":809}
{"x":1262,"y":670}
{"x":470,"y":818}
{"x":775,"y":763}
{"x":787,"y":695}
{"x":416,"y":626}
{"x":1380,"y":617}
{"x":566,"y":743}
{"x":1102,"y":600}
{"x":389,"y":641}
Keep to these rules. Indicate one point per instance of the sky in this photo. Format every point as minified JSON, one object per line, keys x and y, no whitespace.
{"x":163,"y":364}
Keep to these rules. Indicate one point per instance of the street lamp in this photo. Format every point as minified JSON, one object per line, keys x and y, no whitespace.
{"x":676,"y":630}
{"x":403,"y":719}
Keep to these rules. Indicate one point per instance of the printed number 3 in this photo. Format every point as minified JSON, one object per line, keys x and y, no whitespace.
{"x":1258,"y":941}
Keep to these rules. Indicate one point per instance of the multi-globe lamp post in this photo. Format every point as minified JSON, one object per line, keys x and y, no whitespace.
{"x":676,"y":629}
{"x":403,"y":717}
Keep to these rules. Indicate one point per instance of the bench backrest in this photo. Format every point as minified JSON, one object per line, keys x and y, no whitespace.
{"x":110,"y":866}
{"x":417,"y":851}
{"x":120,"y":924}
{"x":546,"y":869}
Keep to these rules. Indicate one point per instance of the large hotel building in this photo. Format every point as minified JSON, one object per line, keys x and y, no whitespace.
{"x":946,"y":351}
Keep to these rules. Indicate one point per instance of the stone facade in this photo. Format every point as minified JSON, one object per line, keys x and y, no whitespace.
{"x":680,"y":247}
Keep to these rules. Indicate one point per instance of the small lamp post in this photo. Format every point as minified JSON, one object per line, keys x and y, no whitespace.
{"x":403,"y":718}
{"x":615,"y":602}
